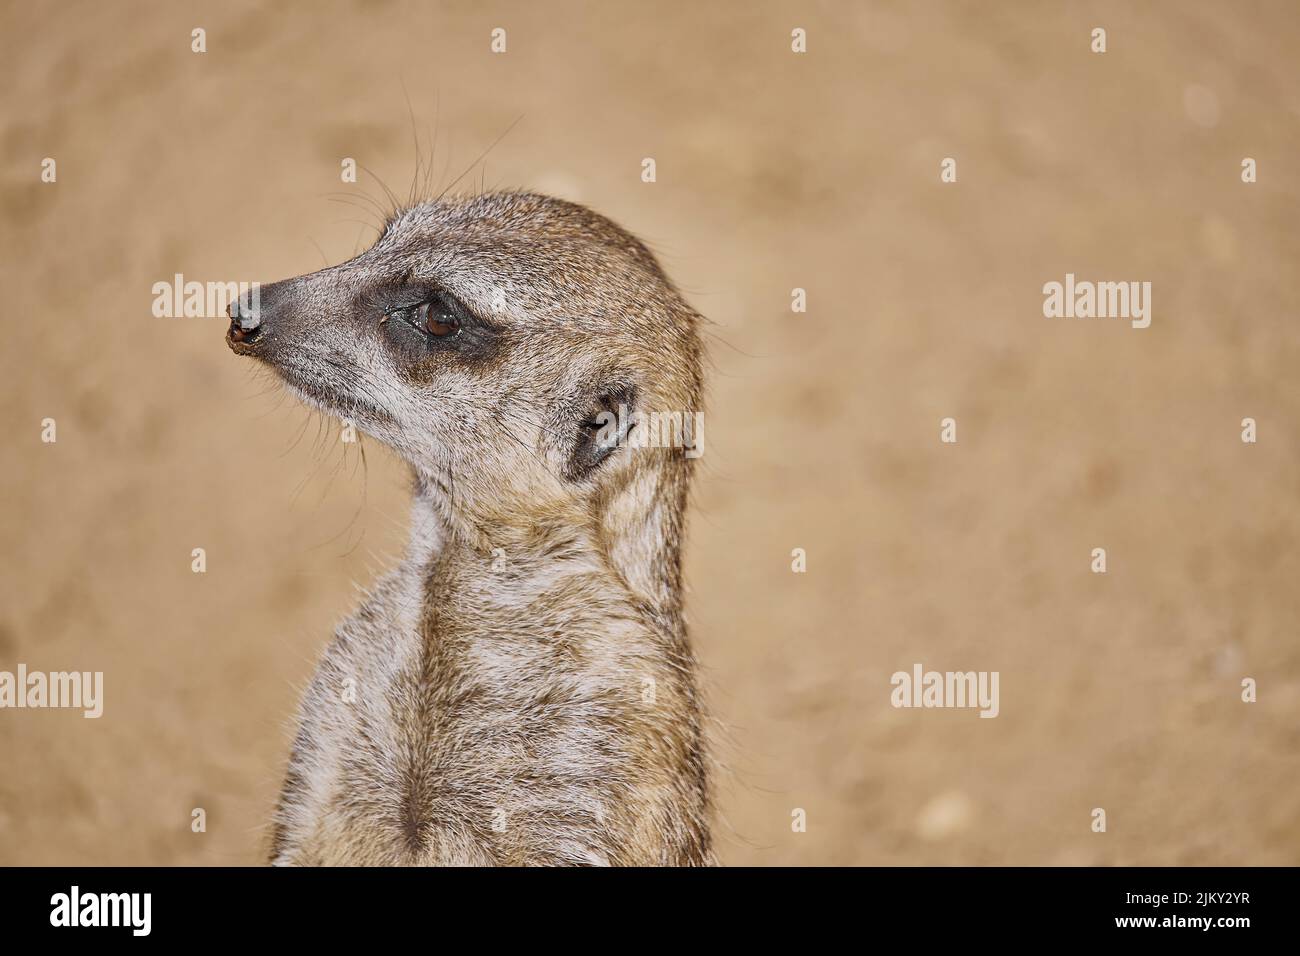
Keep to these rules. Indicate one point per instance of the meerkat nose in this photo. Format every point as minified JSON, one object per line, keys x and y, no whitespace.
{"x":241,"y":314}
{"x":245,"y":321}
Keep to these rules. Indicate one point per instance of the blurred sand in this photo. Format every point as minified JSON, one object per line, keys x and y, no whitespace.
{"x":774,"y":171}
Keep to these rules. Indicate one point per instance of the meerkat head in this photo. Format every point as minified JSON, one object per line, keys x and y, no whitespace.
{"x":505,"y":346}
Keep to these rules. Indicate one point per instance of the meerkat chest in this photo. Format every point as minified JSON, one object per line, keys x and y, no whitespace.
{"x":451,"y":738}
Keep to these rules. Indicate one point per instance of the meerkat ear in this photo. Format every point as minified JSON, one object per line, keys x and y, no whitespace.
{"x":605,"y":419}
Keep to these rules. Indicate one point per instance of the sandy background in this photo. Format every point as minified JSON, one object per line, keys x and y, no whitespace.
{"x":819,"y":171}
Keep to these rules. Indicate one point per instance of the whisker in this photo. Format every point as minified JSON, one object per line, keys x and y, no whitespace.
{"x":481,"y":156}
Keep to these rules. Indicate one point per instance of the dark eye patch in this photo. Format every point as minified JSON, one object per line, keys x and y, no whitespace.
{"x":439,"y":315}
{"x":402,"y":310}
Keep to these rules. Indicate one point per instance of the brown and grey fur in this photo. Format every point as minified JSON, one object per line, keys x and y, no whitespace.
{"x":520,"y":690}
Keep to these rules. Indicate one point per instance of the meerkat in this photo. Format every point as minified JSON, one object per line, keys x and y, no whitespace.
{"x":520,"y":690}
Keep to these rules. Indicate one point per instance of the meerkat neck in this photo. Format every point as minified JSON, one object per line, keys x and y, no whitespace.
{"x":635,"y":551}
{"x":641,"y":537}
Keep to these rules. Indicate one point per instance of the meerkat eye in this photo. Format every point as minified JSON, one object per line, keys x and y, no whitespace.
{"x":437,"y":318}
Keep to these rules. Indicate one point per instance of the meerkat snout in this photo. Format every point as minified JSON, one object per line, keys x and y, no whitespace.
{"x":523,"y":690}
